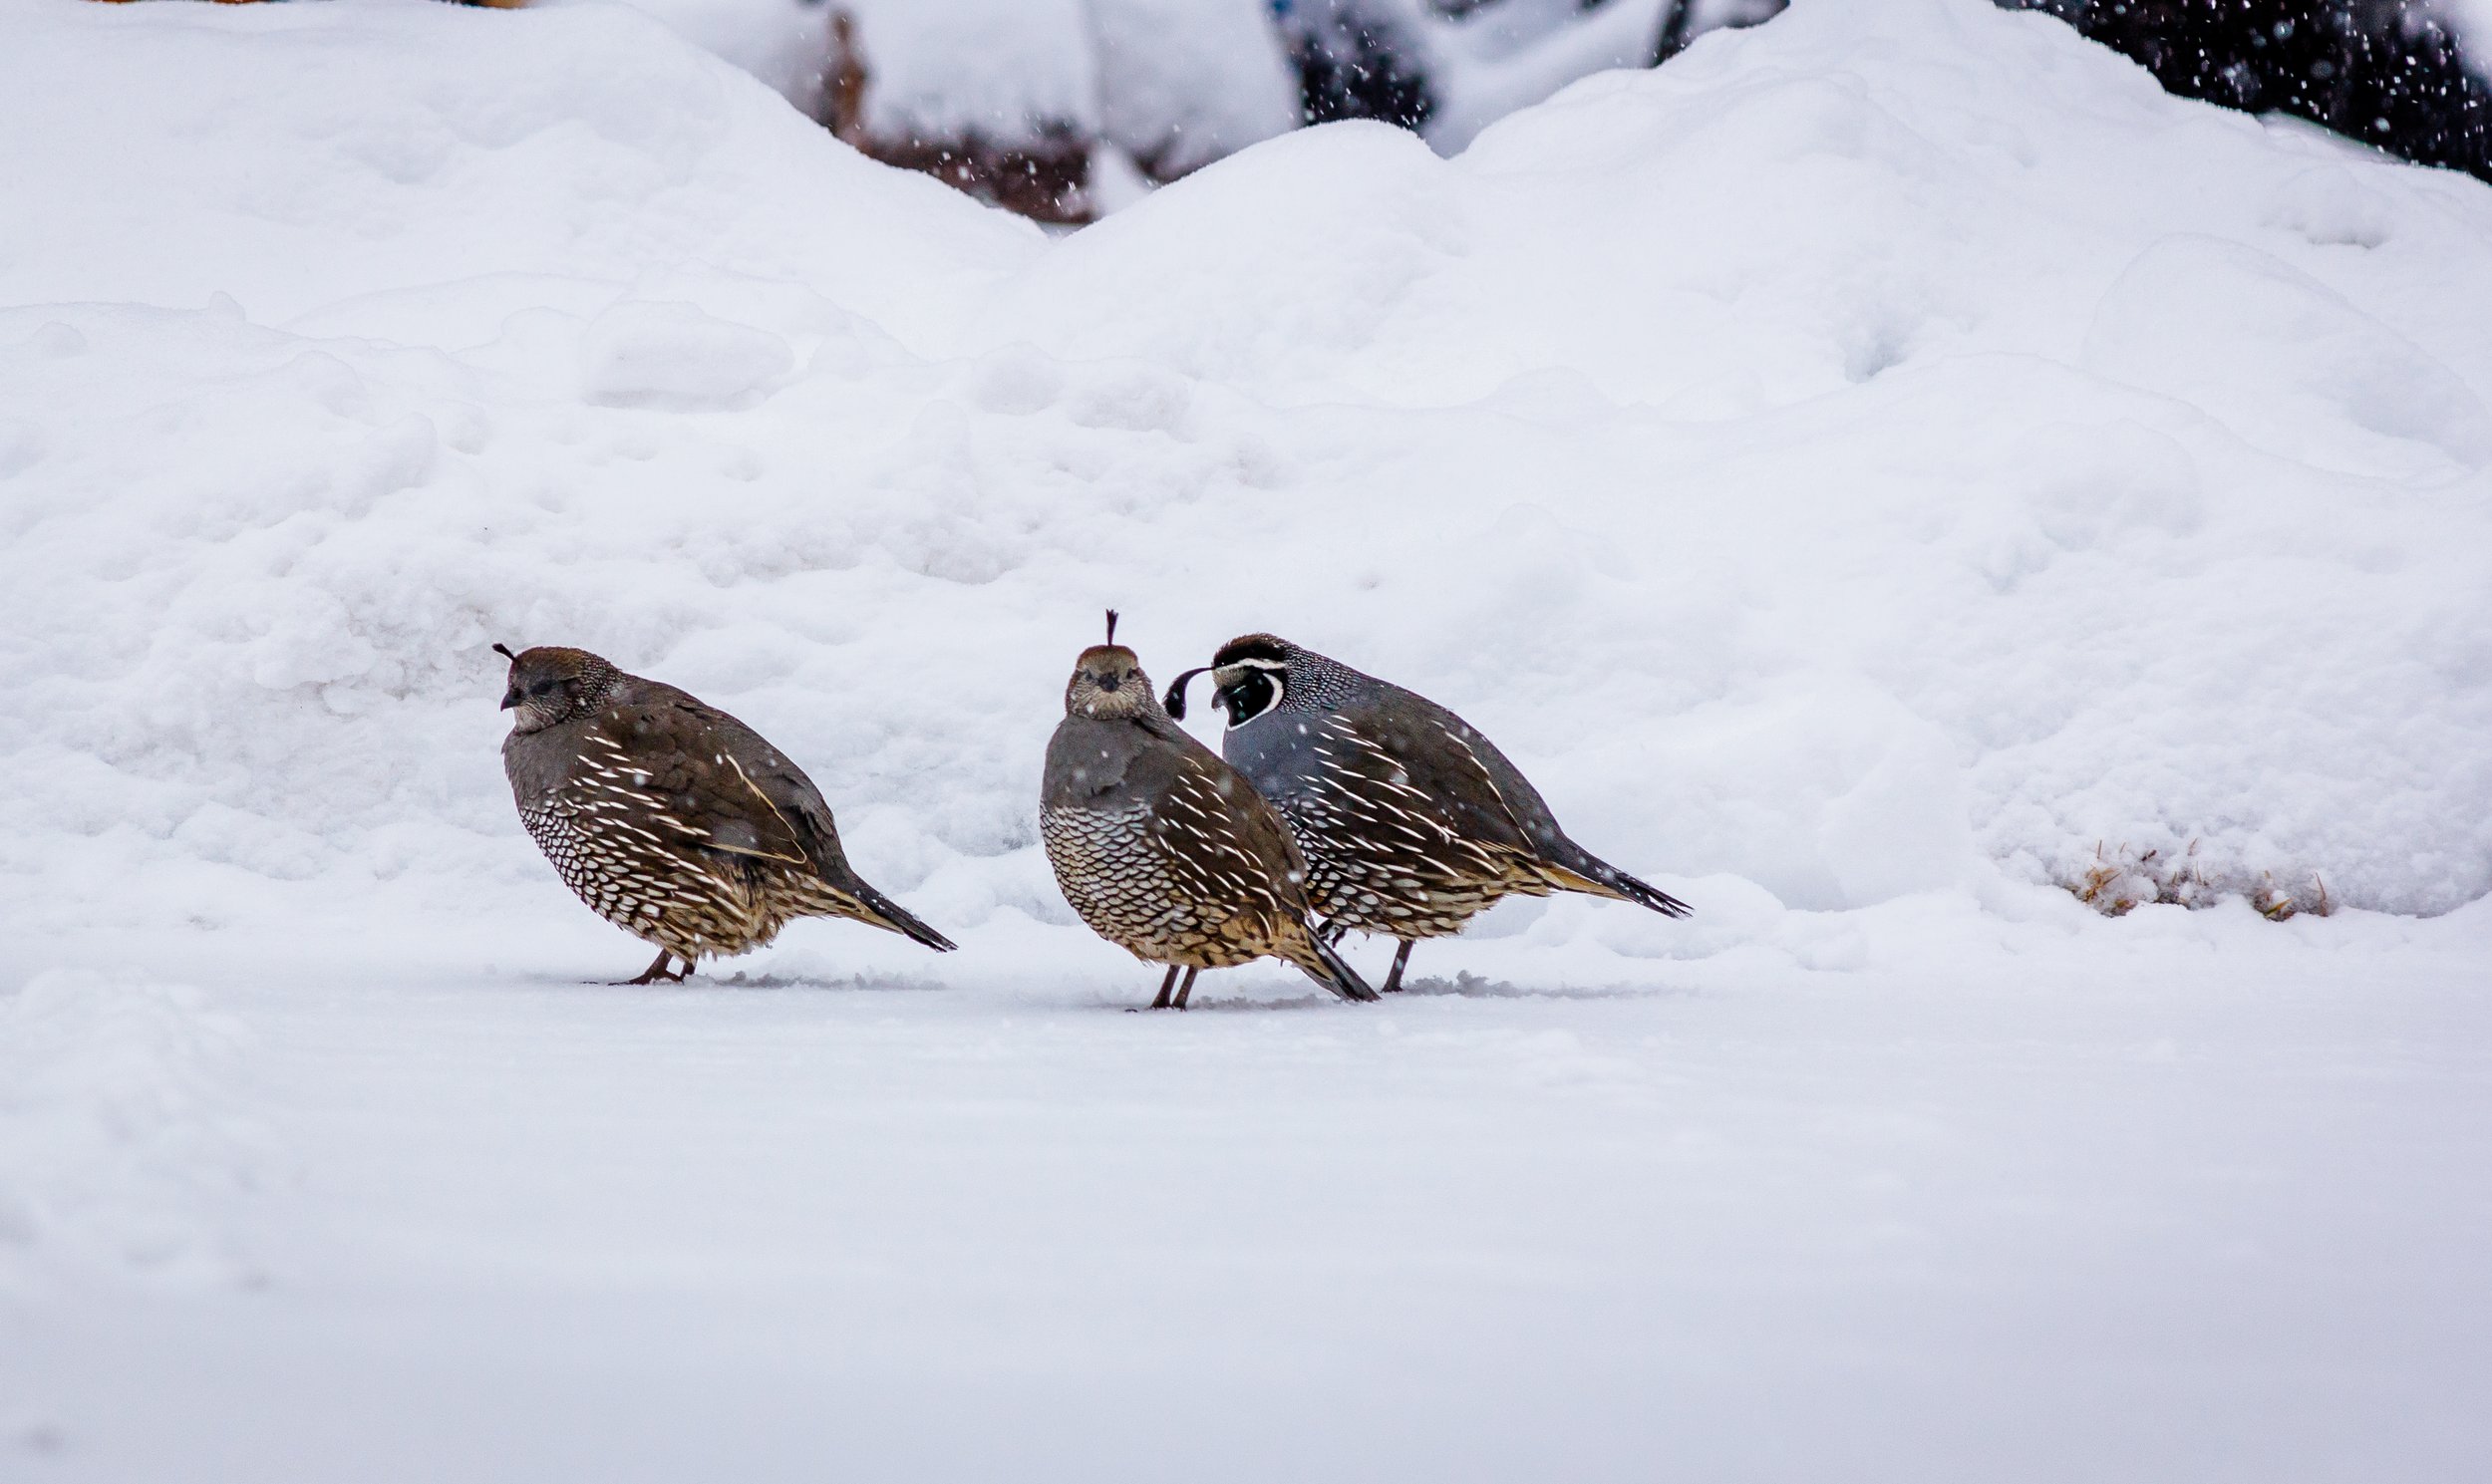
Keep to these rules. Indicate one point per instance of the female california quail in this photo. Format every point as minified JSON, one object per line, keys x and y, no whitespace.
{"x":674,"y":820}
{"x":1161,"y":847}
{"x":1411,"y":820}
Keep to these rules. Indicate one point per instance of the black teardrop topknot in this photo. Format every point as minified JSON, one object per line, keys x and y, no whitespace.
{"x":1174,"y":703}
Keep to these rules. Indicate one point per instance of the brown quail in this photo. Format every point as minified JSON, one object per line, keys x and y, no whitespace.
{"x":672,"y":819}
{"x":1161,"y":847}
{"x":1411,"y":820}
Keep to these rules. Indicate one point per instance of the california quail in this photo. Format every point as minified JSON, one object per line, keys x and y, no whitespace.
{"x":1161,"y":847}
{"x":674,"y":820}
{"x":1411,"y":820}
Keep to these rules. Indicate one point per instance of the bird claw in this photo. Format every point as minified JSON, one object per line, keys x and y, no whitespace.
{"x":658,"y":970}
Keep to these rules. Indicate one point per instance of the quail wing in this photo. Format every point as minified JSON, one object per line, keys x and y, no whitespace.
{"x":1224,"y":843}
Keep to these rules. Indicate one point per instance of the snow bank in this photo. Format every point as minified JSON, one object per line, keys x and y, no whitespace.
{"x":1933,"y":425}
{"x":421,"y":174}
{"x":1879,"y":453}
{"x":785,"y":44}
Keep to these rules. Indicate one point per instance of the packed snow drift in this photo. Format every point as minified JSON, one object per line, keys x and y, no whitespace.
{"x":1824,"y":463}
{"x":1893,"y":479}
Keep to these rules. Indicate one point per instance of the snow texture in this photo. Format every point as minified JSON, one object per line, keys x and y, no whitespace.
{"x":1504,"y":56}
{"x":998,"y":70}
{"x":1853,"y":1204}
{"x":1871,"y":474}
{"x":1184,"y":82}
{"x":1173,"y":82}
{"x":784,"y":43}
{"x":1902,"y":484}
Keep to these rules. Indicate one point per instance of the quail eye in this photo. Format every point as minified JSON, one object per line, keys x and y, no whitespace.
{"x":541,"y":688}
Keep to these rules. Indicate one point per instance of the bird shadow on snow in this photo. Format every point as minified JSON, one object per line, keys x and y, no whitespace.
{"x":852,"y":983}
{"x":1246,"y":1002}
{"x":1461,"y":986}
{"x":1479,"y":987}
{"x":702,"y":983}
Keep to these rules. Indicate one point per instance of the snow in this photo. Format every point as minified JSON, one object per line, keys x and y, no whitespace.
{"x":1873,"y":474}
{"x":784,"y":43}
{"x":1185,"y":82}
{"x":571,"y":154}
{"x":1173,"y":84}
{"x":1000,"y":70}
{"x":1505,"y":57}
{"x":2175,"y":1200}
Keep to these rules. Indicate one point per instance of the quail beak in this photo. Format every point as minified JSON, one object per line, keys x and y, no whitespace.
{"x":509,"y":699}
{"x":1112,"y":682}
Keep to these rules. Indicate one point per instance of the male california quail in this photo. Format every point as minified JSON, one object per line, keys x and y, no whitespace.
{"x":1161,"y":847}
{"x":1411,"y":820}
{"x":674,"y":820}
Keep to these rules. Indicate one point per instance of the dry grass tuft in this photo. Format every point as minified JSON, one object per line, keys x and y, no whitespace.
{"x":2120,"y":881}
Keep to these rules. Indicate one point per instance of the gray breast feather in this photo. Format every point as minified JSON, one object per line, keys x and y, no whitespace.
{"x":1089,"y":762}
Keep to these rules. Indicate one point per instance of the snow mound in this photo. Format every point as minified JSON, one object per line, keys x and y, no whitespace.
{"x":784,"y":44}
{"x":421,"y":176}
{"x":1896,"y":449}
{"x":1921,"y":384}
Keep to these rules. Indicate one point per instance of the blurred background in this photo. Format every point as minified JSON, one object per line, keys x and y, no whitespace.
{"x":1066,"y":110}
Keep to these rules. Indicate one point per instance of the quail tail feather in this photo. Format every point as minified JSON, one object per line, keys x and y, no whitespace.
{"x":883,"y":912}
{"x":1331,"y":971}
{"x":1596,"y":877}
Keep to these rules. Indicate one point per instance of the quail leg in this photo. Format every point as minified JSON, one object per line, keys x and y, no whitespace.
{"x":1186,"y":988}
{"x":1392,"y":979}
{"x":657,"y":970}
{"x":1166,"y":985}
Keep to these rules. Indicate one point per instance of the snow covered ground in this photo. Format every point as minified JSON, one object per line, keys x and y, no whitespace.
{"x":2207,"y":1204}
{"x":1877,"y":473}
